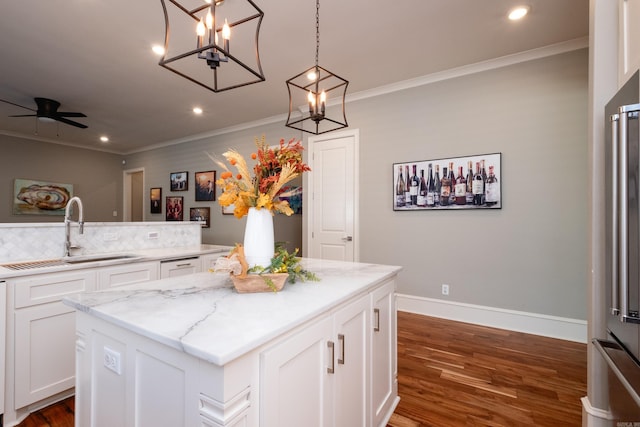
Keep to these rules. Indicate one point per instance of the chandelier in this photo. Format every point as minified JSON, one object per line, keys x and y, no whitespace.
{"x":214,"y":44}
{"x":312,"y":88}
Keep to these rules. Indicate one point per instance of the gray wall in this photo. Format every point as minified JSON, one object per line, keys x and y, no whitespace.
{"x":531,"y":255}
{"x":96,"y":177}
{"x":192,"y":157}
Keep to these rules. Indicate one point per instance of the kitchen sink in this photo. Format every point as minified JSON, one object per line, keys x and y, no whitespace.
{"x":59,"y":262}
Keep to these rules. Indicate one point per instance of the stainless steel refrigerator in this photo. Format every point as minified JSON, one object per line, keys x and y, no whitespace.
{"x":621,"y":349}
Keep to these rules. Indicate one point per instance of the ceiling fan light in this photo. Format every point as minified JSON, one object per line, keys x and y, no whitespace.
{"x":46,"y":119}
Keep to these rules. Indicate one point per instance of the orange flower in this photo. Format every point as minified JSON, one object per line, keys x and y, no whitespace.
{"x":226,"y":174}
{"x":238,"y":176}
{"x":233,"y":162}
{"x":254,"y":156}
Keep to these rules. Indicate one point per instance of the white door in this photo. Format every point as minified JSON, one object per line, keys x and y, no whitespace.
{"x":133,"y":192}
{"x":333,"y":199}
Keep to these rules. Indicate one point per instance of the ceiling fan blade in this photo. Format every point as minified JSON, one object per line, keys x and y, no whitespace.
{"x":25,"y":115}
{"x":69,"y":114}
{"x":70,"y":122}
{"x":17,"y":105}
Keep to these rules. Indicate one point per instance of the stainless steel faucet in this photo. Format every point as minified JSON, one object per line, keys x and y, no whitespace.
{"x":67,"y":224}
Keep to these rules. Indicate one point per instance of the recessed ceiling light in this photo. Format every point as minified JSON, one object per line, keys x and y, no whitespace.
{"x":518,"y":12}
{"x":197,"y":110}
{"x":104,"y":138}
{"x":157,"y":49}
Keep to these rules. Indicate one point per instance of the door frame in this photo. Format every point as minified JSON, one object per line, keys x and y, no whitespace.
{"x":126,"y":193}
{"x":307,"y":185}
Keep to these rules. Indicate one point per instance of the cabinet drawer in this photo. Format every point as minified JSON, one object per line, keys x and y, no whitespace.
{"x":127,"y":274}
{"x":34,"y":290}
{"x":179,"y":267}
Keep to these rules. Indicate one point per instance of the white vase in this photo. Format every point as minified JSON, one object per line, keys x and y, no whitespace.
{"x":259,"y":245}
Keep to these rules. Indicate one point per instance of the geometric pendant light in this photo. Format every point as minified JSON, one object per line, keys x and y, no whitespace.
{"x":313,"y":89}
{"x":213,"y":44}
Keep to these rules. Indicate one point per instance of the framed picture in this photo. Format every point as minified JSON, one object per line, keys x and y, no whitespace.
{"x":174,"y":208}
{"x":205,"y":186}
{"x":471,"y":182}
{"x":155,"y":198}
{"x":179,"y":181}
{"x":293,"y":195}
{"x":200,"y":214}
{"x":40,"y":197}
{"x":228,"y":210}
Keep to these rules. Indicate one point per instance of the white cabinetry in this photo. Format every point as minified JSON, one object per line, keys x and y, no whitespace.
{"x":628,"y":39}
{"x":340,"y":371}
{"x":3,"y":328}
{"x":384,"y":362}
{"x":179,"y":267}
{"x":128,"y":274}
{"x":209,"y":260}
{"x":41,"y":335}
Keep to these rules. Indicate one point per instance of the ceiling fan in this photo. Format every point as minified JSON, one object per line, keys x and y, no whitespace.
{"x":48,"y":111}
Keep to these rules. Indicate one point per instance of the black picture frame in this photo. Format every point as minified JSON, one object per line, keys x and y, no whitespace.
{"x":205,"y":186}
{"x":174,"y":208}
{"x":155,"y":200}
{"x":179,"y":181}
{"x":481,"y":195}
{"x":201,"y":214}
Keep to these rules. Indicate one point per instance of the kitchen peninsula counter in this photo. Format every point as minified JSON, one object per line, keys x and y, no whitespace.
{"x":200,"y":327}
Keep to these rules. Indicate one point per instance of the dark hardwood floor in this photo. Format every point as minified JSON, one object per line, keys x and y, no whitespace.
{"x":453,"y":374}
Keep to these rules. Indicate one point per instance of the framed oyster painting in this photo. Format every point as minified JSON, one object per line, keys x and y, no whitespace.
{"x":40,"y":197}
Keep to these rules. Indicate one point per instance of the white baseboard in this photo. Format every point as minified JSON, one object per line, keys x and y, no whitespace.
{"x":520,"y":321}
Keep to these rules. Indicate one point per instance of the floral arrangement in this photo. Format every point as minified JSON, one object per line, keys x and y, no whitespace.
{"x":262,"y":186}
{"x":285,"y":262}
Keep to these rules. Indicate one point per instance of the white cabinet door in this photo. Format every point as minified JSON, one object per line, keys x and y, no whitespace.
{"x":3,"y":316}
{"x":293,"y":383}
{"x":629,"y":39}
{"x":44,"y":352}
{"x":209,"y":260}
{"x":41,"y":348}
{"x":179,"y":267}
{"x":384,"y":370}
{"x":128,"y":274}
{"x":351,"y":377}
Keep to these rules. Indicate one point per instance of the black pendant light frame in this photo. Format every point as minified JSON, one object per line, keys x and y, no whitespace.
{"x":317,"y":114}
{"x":212,"y":53}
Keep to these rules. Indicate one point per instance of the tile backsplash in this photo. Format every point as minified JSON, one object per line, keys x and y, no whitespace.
{"x":34,"y":241}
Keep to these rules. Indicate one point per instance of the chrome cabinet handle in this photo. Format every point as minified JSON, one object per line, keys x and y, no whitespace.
{"x":376,"y":313}
{"x":341,"y":358}
{"x":331,"y":369}
{"x":347,"y":239}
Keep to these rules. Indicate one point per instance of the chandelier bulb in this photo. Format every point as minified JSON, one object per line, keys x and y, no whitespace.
{"x":200,"y":28}
{"x":209,"y":20}
{"x":226,"y":30}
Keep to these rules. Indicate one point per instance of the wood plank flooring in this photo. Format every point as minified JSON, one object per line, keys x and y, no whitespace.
{"x":457,"y":374}
{"x":454,"y":374}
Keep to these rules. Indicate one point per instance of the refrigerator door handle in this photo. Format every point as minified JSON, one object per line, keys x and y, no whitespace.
{"x":626,"y":112}
{"x":615,"y":304}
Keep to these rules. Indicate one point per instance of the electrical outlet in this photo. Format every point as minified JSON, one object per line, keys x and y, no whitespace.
{"x":152,"y":235}
{"x":112,"y":360}
{"x":445,"y":289}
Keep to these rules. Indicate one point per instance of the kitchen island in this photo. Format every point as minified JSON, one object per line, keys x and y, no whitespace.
{"x":191,"y":351}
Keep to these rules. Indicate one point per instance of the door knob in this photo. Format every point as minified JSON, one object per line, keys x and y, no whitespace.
{"x":347,"y":239}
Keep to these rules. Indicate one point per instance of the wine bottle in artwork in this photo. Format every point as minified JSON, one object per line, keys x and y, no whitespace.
{"x":469,"y":180}
{"x":484,"y":179}
{"x":431,"y":188}
{"x":407,"y":187}
{"x":415,"y":184}
{"x":492,"y":189}
{"x":461,"y":188}
{"x":445,"y":188}
{"x":478,"y":186}
{"x":422,"y":191}
{"x":452,"y":177}
{"x":437,"y":187}
{"x":400,"y":189}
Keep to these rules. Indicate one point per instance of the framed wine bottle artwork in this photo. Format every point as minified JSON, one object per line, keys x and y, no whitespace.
{"x":470,"y":182}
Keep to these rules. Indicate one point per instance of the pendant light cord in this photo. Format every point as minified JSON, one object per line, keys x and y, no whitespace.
{"x":317,"y":31}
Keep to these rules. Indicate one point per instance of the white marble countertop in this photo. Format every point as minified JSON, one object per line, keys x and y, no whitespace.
{"x":178,"y":252}
{"x":203,"y":315}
